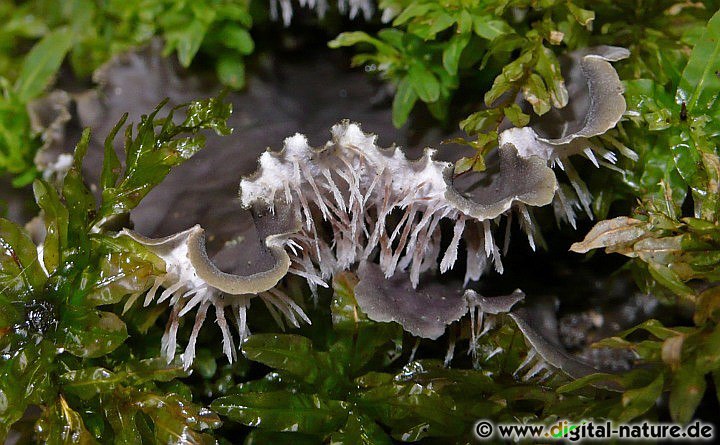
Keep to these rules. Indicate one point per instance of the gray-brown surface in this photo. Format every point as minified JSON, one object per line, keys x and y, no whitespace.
{"x":306,"y":96}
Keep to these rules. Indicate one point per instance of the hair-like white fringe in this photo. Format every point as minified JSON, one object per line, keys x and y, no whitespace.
{"x":356,"y":199}
{"x":191,"y":281}
{"x":351,"y":8}
{"x":355,"y":202}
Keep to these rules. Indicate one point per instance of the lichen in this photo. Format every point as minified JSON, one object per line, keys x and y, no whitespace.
{"x":596,"y":105}
{"x":356,"y":199}
{"x":351,"y":8}
{"x":193,"y":281}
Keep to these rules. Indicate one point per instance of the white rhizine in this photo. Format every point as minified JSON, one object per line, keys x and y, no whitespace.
{"x":356,"y":199}
{"x":359,"y":202}
{"x":186,"y":285}
{"x":349,"y":7}
{"x":601,"y":108}
{"x":545,"y":359}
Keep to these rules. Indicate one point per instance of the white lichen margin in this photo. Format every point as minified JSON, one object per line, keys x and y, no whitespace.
{"x":356,"y":199}
{"x":358,"y":202}
{"x":192,"y":281}
{"x":598,"y":107}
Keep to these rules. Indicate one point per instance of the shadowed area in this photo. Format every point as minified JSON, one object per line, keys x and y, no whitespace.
{"x":290,"y":97}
